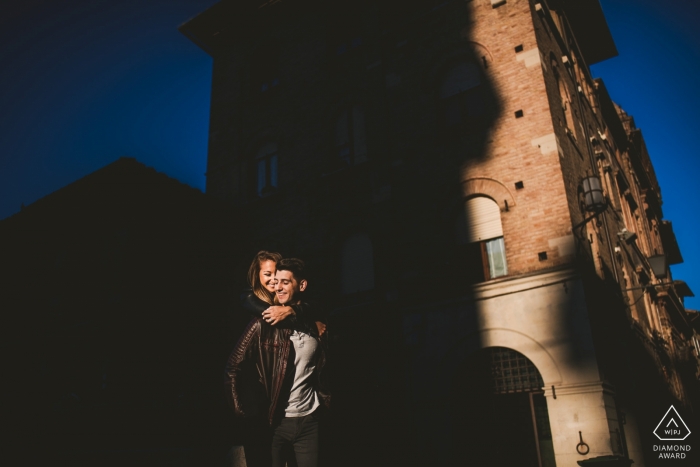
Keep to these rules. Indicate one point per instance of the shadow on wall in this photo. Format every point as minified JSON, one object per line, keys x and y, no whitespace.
{"x":439,"y":108}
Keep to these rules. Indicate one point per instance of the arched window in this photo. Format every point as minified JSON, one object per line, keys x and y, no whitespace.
{"x":480,"y":236}
{"x":266,"y":169}
{"x":350,"y":138}
{"x":461,"y":96}
{"x":265,"y":68}
{"x":565,"y":100}
{"x":357,"y":264}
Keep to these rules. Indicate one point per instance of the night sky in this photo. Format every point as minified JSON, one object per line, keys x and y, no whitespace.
{"x":84,"y":82}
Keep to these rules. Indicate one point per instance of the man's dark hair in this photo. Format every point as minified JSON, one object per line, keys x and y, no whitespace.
{"x":294,"y":265}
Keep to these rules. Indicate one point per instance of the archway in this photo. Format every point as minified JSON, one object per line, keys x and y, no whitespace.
{"x":499,"y":415}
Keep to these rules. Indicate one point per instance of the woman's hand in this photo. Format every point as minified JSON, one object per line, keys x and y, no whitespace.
{"x":321,"y":328}
{"x":275,"y":314}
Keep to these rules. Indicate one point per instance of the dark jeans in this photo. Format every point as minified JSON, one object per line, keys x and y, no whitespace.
{"x":302,"y":434}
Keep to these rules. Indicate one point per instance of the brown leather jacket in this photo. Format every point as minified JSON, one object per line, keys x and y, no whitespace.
{"x":260,"y":370}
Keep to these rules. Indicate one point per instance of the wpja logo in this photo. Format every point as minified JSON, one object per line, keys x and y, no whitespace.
{"x":672,"y":428}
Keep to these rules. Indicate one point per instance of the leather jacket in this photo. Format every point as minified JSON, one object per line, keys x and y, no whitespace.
{"x":260,"y":371}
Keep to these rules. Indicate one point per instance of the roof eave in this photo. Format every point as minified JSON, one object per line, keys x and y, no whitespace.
{"x":593,"y":35}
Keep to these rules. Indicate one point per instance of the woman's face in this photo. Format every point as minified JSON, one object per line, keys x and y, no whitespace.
{"x":267,"y":275}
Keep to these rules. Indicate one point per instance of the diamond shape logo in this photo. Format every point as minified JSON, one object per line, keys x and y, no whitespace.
{"x":671,"y":427}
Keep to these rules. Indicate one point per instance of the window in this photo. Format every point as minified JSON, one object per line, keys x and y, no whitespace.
{"x":348,"y":44}
{"x":480,"y":235}
{"x":461,"y":95}
{"x":565,"y":101}
{"x":357,"y":265}
{"x":496,"y":257}
{"x":266,"y":75}
{"x":345,"y":36}
{"x":350,"y":138}
{"x":269,"y":83}
{"x":266,"y":169}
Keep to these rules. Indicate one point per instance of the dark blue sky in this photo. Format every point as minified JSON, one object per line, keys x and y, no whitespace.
{"x":84,"y":82}
{"x":87,"y":81}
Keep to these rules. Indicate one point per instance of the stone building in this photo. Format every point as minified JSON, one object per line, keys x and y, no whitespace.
{"x":482,"y":218}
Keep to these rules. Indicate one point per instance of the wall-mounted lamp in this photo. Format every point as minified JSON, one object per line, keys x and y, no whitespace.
{"x":593,"y":195}
{"x":593,"y":199}
{"x":659,"y":265}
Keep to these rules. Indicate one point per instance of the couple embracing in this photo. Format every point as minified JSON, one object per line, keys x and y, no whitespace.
{"x":274,"y":377}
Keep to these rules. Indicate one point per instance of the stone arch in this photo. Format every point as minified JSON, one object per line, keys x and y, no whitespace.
{"x":499,"y":337}
{"x":532,"y":349}
{"x":491,"y":188}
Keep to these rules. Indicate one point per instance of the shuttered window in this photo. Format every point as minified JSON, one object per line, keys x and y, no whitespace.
{"x":480,"y":234}
{"x":480,"y":220}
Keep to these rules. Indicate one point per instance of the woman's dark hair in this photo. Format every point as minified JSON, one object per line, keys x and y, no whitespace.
{"x":254,"y":274}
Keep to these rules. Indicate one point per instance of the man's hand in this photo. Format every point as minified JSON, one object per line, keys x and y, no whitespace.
{"x":321,"y":328}
{"x":275,"y":314}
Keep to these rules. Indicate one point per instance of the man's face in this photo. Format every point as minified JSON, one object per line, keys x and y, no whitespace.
{"x":288,"y":287}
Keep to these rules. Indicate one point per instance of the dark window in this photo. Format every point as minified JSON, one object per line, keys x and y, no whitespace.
{"x":357,"y":264}
{"x":348,"y":44}
{"x":270,"y":83}
{"x":461,"y":94}
{"x":345,"y":35}
{"x":350,"y":137}
{"x":266,"y":169}
{"x":265,"y":73}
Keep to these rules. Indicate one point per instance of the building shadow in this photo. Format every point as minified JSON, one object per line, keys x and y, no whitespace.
{"x":118,"y":320}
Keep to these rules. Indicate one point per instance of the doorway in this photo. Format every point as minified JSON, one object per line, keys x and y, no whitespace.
{"x":500,"y":412}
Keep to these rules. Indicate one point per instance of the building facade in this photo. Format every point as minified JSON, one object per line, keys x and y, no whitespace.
{"x":482,"y":217}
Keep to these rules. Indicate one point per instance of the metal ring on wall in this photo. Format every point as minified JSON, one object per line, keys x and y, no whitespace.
{"x":582,"y":448}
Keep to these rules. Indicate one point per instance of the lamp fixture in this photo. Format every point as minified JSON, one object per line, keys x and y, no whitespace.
{"x":659,"y":265}
{"x":593,"y":194}
{"x":593,"y":199}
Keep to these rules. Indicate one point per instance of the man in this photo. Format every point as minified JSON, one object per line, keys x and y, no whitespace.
{"x":276,"y":372}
